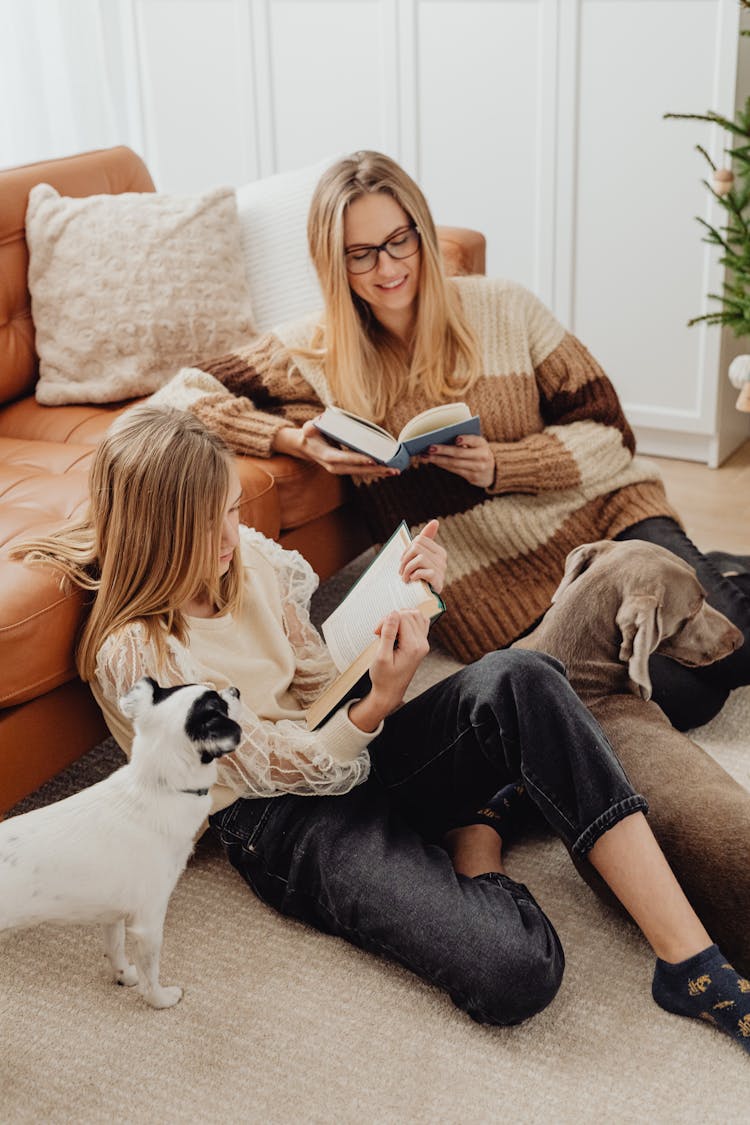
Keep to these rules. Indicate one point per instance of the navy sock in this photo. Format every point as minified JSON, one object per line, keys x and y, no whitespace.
{"x":706,"y":987}
{"x":506,"y":812}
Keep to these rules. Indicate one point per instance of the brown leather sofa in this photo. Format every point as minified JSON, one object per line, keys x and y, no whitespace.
{"x":47,"y":715}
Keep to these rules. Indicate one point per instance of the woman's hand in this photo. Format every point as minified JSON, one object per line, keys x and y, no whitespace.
{"x":424,"y":558}
{"x":403,"y":646}
{"x":470,"y":458}
{"x":308,"y":443}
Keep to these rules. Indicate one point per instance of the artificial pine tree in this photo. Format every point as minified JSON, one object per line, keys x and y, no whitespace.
{"x":731,"y":190}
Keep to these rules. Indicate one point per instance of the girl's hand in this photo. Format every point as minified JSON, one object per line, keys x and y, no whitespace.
{"x":308,"y":443}
{"x":403,"y":646}
{"x":470,"y":458}
{"x":424,"y":558}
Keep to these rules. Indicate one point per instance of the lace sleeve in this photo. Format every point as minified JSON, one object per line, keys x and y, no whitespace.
{"x":128,"y":654}
{"x":272,"y":758}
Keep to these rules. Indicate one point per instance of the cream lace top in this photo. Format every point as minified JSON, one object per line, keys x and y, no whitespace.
{"x":274,"y":655}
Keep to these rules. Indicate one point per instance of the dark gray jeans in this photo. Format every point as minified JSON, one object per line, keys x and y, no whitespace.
{"x":367,"y":866}
{"x":690,"y":697}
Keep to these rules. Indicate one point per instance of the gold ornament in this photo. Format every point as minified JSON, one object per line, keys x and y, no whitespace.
{"x":739,"y":377}
{"x":723,"y":180}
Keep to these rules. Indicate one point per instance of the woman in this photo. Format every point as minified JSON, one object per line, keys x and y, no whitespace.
{"x":338,"y":827}
{"x":553,"y":469}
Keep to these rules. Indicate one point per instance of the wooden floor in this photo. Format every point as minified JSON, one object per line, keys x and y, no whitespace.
{"x":714,"y":504}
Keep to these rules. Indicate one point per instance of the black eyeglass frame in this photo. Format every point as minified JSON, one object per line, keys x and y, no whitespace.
{"x":383,"y":246}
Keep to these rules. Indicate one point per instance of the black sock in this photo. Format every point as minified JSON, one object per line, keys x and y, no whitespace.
{"x":507,"y":812}
{"x":730,"y":565}
{"x":706,"y":987}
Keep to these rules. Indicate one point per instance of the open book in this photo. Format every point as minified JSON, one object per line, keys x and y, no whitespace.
{"x":349,"y":632}
{"x":440,"y":425}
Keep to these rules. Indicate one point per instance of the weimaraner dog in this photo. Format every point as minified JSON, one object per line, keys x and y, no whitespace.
{"x":617,"y":603}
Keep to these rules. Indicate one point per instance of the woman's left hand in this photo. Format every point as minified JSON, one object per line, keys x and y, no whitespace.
{"x":424,"y":558}
{"x":470,"y":458}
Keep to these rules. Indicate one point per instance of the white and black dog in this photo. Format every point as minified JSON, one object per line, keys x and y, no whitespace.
{"x":113,"y":853}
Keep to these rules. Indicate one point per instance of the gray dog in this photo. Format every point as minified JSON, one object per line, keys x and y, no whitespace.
{"x":618,"y":603}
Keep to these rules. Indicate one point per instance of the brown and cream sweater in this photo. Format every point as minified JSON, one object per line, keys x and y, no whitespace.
{"x":564,"y":454}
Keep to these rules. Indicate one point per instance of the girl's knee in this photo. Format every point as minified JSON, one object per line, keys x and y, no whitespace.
{"x":517,"y":984}
{"x":522,"y":672}
{"x":525,"y":662}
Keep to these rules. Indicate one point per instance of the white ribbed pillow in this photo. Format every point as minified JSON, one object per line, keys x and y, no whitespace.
{"x":273,"y":218}
{"x":127,"y":289}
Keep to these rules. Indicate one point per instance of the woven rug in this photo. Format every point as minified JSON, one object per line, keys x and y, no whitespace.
{"x":281,"y":1024}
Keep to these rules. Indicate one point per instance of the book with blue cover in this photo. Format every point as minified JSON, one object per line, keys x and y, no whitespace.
{"x":439,"y":425}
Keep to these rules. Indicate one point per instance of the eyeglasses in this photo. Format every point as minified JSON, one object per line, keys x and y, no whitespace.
{"x":403,"y":243}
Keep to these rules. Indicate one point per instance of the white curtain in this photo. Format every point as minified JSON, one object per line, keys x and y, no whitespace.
{"x":66,"y":82}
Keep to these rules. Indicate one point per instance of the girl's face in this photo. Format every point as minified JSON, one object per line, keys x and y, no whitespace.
{"x":392,"y":286}
{"x":230,"y":523}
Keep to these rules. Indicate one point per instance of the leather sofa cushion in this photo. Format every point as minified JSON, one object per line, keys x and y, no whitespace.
{"x":306,"y":491}
{"x":43,"y":484}
{"x":84,"y":425}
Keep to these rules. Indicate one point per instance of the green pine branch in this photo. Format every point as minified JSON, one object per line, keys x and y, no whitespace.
{"x":732,"y":236}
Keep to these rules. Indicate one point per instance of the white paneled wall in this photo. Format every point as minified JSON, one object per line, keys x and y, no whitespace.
{"x":539,"y":122}
{"x":485,"y":106}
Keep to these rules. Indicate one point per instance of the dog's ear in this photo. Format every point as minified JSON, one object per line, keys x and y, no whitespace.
{"x":639,"y":621}
{"x":232,"y":697}
{"x":579,"y":560}
{"x":140,"y":696}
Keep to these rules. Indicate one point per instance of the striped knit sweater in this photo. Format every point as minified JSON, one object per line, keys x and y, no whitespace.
{"x":564,"y":454}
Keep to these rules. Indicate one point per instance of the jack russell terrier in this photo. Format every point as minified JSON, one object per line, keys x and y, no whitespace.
{"x":113,"y":853}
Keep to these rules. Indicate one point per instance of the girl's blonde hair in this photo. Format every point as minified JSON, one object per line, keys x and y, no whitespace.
{"x":158,"y":490}
{"x":366,"y":369}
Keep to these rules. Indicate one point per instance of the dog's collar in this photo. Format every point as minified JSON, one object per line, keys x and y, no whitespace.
{"x":196,"y":792}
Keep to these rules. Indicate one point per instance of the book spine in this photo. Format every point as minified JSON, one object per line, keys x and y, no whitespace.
{"x":400,"y":460}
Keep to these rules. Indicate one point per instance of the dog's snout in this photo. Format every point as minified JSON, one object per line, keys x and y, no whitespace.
{"x":707,"y":637}
{"x":221,"y":736}
{"x":734,"y":638}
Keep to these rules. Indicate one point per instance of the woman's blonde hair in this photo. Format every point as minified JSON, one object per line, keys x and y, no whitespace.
{"x":158,"y":490}
{"x":365,"y":366}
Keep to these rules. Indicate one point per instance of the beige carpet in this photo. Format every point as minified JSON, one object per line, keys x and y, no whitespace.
{"x":280,"y":1024}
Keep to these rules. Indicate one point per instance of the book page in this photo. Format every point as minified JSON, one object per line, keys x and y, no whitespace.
{"x":343,"y":416}
{"x":435,"y":418}
{"x":359,"y":434}
{"x":349,"y":629}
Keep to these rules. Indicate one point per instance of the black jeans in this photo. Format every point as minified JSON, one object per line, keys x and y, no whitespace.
{"x":366,"y":865}
{"x":690,"y":697}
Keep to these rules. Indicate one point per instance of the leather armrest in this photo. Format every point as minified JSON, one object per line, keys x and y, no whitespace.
{"x":464,"y":250}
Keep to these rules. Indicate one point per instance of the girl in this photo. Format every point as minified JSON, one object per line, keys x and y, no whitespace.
{"x":553,"y":469}
{"x":338,"y":827}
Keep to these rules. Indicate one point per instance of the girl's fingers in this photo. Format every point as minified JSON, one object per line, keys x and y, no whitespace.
{"x":429,"y":531}
{"x":388,"y":629}
{"x":418,"y":566}
{"x":427,"y":576}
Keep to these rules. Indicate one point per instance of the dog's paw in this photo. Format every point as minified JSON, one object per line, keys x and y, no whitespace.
{"x":127,"y":976}
{"x":163,"y":997}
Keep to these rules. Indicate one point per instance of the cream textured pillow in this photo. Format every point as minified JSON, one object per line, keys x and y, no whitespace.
{"x":127,"y":289}
{"x":273,"y":218}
